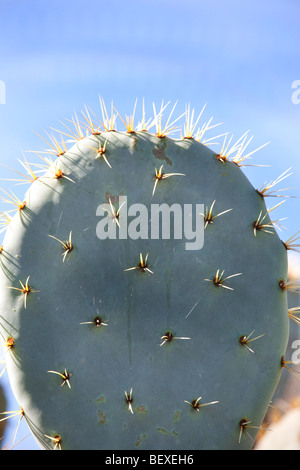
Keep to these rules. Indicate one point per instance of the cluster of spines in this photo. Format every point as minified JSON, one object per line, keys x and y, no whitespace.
{"x":108,"y":123}
{"x":92,"y":125}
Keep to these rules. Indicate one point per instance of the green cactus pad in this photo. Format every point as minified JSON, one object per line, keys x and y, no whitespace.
{"x":119,"y":343}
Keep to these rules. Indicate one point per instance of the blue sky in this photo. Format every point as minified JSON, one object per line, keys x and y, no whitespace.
{"x":239,"y":57}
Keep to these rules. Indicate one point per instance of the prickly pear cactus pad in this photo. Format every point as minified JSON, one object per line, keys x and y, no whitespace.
{"x":118,"y":335}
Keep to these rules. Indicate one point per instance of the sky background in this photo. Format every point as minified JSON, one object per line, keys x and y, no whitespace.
{"x":239,"y":57}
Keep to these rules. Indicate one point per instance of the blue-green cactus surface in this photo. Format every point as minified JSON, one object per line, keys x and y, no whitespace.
{"x":119,"y":342}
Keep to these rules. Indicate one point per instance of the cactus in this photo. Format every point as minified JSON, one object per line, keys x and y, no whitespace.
{"x":142,"y":342}
{"x":2,"y":408}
